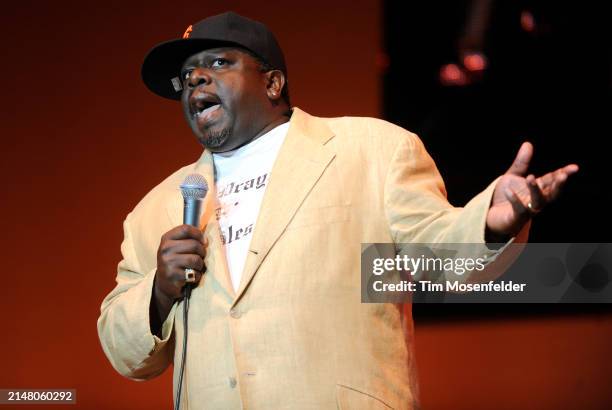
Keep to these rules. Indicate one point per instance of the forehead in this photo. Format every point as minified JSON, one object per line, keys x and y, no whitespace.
{"x":235,"y":52}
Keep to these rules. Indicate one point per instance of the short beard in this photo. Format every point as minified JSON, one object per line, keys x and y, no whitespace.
{"x":214,"y":139}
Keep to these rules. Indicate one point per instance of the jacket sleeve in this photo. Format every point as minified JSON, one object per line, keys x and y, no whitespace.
{"x":417,"y":209}
{"x":123,"y":325}
{"x":416,"y":204}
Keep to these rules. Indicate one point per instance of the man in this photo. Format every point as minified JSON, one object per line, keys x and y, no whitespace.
{"x":275,"y":318}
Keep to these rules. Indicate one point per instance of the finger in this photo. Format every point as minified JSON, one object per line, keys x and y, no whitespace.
{"x":521,"y":162}
{"x":187,"y":246}
{"x":550,"y":184}
{"x":536,"y":197}
{"x":179,"y":262}
{"x":185,"y":232}
{"x":194,"y":262}
{"x":557,"y":185}
{"x":549,"y":178}
{"x":170,"y":248}
{"x":182,"y":261}
{"x":517,"y":205}
{"x":571,"y":169}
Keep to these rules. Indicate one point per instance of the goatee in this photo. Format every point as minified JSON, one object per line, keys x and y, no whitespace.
{"x":215,"y":139}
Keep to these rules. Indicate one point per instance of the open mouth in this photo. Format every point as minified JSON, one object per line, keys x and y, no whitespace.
{"x":206,"y":108}
{"x":204,"y":104}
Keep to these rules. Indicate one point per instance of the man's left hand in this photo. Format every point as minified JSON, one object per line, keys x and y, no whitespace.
{"x":518,"y":196}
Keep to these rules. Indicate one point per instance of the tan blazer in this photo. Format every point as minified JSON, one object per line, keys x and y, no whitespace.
{"x":295,"y":335}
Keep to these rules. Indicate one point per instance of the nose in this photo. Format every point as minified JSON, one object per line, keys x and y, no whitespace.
{"x":199,"y":76}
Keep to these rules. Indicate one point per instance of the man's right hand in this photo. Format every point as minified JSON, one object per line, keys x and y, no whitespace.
{"x":180,"y":248}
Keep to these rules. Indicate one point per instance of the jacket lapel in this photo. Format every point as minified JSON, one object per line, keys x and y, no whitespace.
{"x":301,"y":161}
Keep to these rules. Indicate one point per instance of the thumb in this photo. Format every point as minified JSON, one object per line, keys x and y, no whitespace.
{"x":521,"y":162}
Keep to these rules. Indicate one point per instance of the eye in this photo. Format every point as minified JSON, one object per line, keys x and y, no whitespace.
{"x":218,"y":62}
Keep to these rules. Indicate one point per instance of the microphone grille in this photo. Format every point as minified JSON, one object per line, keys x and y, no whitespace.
{"x":194,"y":187}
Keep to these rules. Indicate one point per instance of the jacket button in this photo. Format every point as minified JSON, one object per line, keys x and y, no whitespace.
{"x":232,"y":382}
{"x":235,"y":313}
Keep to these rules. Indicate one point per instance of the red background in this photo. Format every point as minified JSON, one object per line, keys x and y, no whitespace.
{"x":83,"y":141}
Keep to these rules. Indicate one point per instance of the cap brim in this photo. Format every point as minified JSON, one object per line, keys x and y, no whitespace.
{"x":164,"y":61}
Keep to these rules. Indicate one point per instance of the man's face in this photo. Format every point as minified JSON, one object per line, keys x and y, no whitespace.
{"x":224,"y":98}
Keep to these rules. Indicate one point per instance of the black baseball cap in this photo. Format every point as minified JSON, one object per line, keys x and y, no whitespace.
{"x":162,"y":64}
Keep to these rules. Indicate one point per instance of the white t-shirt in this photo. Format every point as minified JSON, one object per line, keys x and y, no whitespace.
{"x":241,"y":177}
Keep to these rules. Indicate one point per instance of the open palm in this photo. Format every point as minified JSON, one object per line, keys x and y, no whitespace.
{"x":518,"y":195}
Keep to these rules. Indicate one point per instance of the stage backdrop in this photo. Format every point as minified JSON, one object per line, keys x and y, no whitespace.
{"x":83,"y":141}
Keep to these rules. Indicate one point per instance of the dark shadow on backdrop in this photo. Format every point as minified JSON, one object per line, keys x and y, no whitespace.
{"x":548,"y":80}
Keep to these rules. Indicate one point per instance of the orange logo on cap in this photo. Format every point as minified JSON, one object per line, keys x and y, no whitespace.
{"x":187,"y":32}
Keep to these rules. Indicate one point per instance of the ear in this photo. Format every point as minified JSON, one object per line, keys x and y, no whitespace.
{"x":275,"y":81}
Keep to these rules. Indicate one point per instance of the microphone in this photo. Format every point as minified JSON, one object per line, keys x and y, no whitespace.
{"x":194,"y":188}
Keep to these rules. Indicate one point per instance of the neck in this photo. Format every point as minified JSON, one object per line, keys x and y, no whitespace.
{"x":271,"y":125}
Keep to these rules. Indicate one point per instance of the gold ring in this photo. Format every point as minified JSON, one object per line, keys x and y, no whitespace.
{"x":531,"y":208}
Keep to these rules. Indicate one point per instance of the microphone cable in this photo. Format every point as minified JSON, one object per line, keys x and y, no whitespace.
{"x":187,"y":291}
